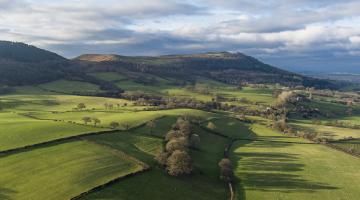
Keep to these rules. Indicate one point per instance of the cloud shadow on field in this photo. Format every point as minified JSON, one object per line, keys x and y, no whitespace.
{"x":271,"y":171}
{"x":5,"y":193}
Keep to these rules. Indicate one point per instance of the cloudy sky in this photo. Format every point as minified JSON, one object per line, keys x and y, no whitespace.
{"x":317,"y":35}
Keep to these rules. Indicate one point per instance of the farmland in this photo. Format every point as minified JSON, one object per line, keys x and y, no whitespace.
{"x":126,"y":132}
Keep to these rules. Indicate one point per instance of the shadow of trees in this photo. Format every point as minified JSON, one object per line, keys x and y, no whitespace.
{"x":6,"y":194}
{"x":270,"y":171}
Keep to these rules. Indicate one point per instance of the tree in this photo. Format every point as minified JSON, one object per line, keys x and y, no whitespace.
{"x":285,"y":97}
{"x":161,"y":158}
{"x":184,"y":127}
{"x":86,"y":120}
{"x":172,"y":134}
{"x":114,"y":125}
{"x":179,"y":163}
{"x":226,"y":170}
{"x":211,"y":126}
{"x":195,"y":141}
{"x":96,"y":121}
{"x":81,"y":106}
{"x":151,"y":125}
{"x":180,"y":143}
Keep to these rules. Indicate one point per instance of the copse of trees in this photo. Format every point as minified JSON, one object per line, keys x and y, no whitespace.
{"x":176,"y":159}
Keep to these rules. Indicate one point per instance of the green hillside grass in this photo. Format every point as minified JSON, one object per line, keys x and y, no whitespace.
{"x":278,"y":170}
{"x":127,"y":117}
{"x":19,"y":131}
{"x":230,"y":127}
{"x":352,"y":146}
{"x":155,"y":184}
{"x":61,"y":103}
{"x":109,"y":76}
{"x":330,"y":132}
{"x":69,"y":87}
{"x":62,"y":171}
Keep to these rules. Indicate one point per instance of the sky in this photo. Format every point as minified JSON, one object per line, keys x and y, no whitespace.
{"x":300,"y":35}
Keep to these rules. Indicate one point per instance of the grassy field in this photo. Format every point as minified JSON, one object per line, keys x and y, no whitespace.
{"x":155,"y":184}
{"x":109,"y":76}
{"x":292,"y":169}
{"x":61,"y":103}
{"x":126,"y":117}
{"x":62,"y":171}
{"x":231,"y":127}
{"x":348,"y":145}
{"x":69,"y":87}
{"x":330,"y":132}
{"x":19,"y":131}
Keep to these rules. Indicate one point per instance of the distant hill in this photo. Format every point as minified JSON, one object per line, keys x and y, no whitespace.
{"x":22,"y":64}
{"x":231,"y":68}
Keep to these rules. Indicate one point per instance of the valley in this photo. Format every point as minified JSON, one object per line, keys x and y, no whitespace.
{"x":108,"y":127}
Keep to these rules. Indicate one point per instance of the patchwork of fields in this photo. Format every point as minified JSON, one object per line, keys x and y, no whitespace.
{"x":55,"y":154}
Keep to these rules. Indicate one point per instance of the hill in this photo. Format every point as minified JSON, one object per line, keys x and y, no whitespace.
{"x":231,"y":68}
{"x":22,"y":64}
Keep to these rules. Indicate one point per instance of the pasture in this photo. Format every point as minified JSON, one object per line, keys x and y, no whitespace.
{"x":293,"y":168}
{"x":19,"y":131}
{"x":61,"y":171}
{"x":156,"y":184}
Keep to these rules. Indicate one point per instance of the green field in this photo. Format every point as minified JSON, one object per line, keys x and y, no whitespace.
{"x":292,"y":169}
{"x":267,"y":164}
{"x":19,"y":131}
{"x":61,"y":103}
{"x":155,"y":184}
{"x":231,"y":127}
{"x":69,"y":87}
{"x":126,"y":117}
{"x":348,"y":145}
{"x":62,"y":171}
{"x":330,"y":132}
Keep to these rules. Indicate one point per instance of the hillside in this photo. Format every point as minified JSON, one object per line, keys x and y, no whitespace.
{"x":22,"y":64}
{"x":231,"y":68}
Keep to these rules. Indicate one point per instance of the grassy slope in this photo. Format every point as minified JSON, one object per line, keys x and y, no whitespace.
{"x":330,"y":132}
{"x":155,"y":184}
{"x":293,"y":171}
{"x":131,"y":118}
{"x":59,"y":102}
{"x":61,"y":172}
{"x":18,"y":131}
{"x":66,"y":86}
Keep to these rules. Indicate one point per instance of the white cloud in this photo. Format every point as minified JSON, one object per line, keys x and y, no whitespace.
{"x":284,"y":28}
